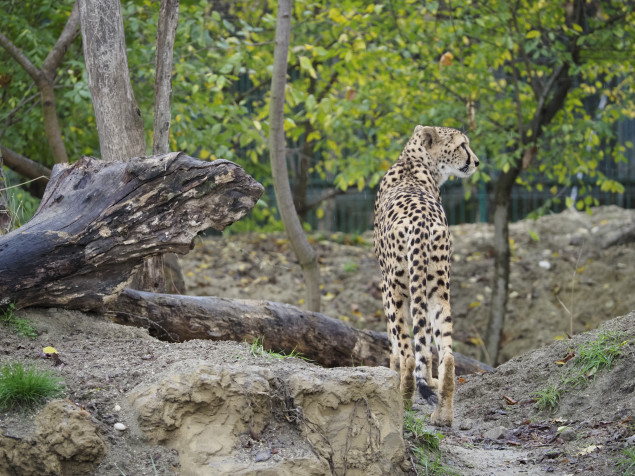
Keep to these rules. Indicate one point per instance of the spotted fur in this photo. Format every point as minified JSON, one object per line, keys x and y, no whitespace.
{"x":412,"y":245}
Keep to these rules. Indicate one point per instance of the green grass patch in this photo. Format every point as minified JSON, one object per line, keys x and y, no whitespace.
{"x":627,"y":462}
{"x":548,"y":398}
{"x":425,"y":446}
{"x":257,"y":349}
{"x":25,"y":386}
{"x":590,"y":358}
{"x":18,"y":325}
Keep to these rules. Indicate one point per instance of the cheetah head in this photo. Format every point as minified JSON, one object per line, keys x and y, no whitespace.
{"x":450,"y":151}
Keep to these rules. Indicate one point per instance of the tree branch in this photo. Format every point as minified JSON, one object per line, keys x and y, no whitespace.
{"x":21,"y":59}
{"x":23,"y":165}
{"x":68,"y":35}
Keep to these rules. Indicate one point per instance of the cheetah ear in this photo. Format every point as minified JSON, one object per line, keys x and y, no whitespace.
{"x":428,"y":135}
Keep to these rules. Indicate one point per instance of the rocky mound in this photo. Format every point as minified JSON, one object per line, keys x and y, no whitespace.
{"x":135,"y":404}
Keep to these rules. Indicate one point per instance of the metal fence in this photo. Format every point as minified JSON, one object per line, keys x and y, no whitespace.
{"x":352,"y":212}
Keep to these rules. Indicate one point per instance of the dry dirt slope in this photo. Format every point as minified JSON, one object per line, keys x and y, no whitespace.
{"x":566,"y":276}
{"x":585,"y":434}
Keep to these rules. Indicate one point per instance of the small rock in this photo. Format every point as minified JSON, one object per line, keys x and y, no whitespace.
{"x":544,"y":264}
{"x":263,"y":455}
{"x":495,"y":433}
{"x":568,"y":434}
{"x":120,"y":426}
{"x":466,"y":424}
{"x":117,"y":408}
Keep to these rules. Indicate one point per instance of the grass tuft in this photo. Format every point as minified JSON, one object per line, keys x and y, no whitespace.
{"x":426,"y":444}
{"x":20,"y":326}
{"x":627,"y":463}
{"x":548,"y":398}
{"x":590,"y":358}
{"x":24,"y":387}
{"x":257,"y":349}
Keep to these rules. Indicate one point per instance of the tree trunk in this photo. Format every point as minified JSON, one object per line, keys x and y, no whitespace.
{"x":99,"y":220}
{"x":119,"y":121}
{"x":163,"y":273}
{"x":502,"y":253}
{"x":283,"y":328}
{"x":166,"y":32}
{"x":550,"y":96}
{"x":5,"y":214}
{"x":305,"y":254}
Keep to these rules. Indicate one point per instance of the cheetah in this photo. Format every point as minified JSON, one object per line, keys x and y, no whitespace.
{"x":412,"y":245}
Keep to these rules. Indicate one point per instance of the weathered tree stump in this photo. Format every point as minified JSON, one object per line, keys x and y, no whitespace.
{"x":325,"y":340}
{"x":98,"y":220}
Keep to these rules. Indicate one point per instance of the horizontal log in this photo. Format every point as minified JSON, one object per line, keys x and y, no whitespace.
{"x":283,"y":328}
{"x":98,"y":221}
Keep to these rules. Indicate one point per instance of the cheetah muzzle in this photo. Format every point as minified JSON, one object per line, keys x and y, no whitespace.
{"x":412,"y":245}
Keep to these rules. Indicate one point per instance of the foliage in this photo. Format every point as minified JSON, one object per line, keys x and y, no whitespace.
{"x":18,"y":325}
{"x":22,"y":205}
{"x":25,"y":386}
{"x":34,"y":27}
{"x":361,"y":75}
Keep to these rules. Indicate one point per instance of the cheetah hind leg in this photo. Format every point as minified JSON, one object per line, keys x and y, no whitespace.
{"x":407,"y":386}
{"x":443,"y":414}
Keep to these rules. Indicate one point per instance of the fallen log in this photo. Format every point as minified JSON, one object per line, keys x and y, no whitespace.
{"x":98,"y":221}
{"x":283,"y":328}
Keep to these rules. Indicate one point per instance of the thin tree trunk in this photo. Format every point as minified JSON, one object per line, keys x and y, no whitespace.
{"x":119,"y":121}
{"x":153,"y":275}
{"x":44,"y":79}
{"x":305,"y":254}
{"x":5,"y":215}
{"x":502,"y":253}
{"x":166,"y":32}
{"x":550,"y":94}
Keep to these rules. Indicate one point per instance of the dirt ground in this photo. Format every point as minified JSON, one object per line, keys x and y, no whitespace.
{"x":103,"y":362}
{"x":563,"y":281}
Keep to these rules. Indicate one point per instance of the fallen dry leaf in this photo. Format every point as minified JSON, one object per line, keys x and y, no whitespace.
{"x":510,"y":401}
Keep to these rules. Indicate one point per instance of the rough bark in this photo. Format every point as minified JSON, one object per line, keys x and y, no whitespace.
{"x":119,"y":121}
{"x":99,"y":220}
{"x":283,"y":328}
{"x":44,"y":79}
{"x":306,"y":255}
